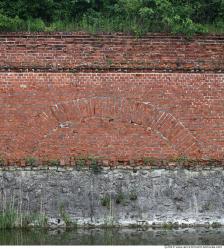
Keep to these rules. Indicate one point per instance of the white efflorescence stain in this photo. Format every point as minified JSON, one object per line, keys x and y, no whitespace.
{"x":23,"y":86}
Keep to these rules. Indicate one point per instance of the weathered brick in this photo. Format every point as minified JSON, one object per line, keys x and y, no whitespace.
{"x":124,"y":115}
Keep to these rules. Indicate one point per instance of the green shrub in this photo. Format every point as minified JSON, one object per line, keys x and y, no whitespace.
{"x":105,"y":201}
{"x":80,"y":163}
{"x":56,"y":26}
{"x":120,"y":198}
{"x":31,"y":161}
{"x":53,"y":162}
{"x":149,"y":160}
{"x":65,"y":216}
{"x":11,"y":24}
{"x":2,"y":161}
{"x":133,"y":196}
{"x":35,"y":25}
{"x":132,"y":16}
{"x":185,"y":26}
{"x":95,"y":165}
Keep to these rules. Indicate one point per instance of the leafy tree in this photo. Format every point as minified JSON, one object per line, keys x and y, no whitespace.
{"x":137,"y":16}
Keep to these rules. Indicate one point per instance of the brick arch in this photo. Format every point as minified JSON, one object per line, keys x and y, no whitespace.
{"x":144,"y":114}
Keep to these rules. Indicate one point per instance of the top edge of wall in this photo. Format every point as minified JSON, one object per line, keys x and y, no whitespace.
{"x":72,"y":51}
{"x":111,"y":35}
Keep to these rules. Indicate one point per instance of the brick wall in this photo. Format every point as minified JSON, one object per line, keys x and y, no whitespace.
{"x":130,"y":109}
{"x":72,"y":51}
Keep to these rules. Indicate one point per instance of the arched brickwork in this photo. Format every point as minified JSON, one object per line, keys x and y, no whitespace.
{"x":66,"y":114}
{"x":57,"y":95}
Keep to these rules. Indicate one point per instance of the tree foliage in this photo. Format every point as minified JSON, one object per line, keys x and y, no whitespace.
{"x":136,"y":16}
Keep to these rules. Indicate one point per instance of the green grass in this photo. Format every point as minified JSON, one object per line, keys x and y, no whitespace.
{"x":95,"y":165}
{"x":65,"y":216}
{"x":80,"y":163}
{"x":95,"y":24}
{"x":149,"y":160}
{"x":8,"y":220}
{"x":105,"y":201}
{"x":53,"y":162}
{"x":31,"y":161}
{"x":217,"y":28}
{"x":2,"y":161}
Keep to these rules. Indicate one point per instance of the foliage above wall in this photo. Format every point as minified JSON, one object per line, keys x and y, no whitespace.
{"x":135,"y":16}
